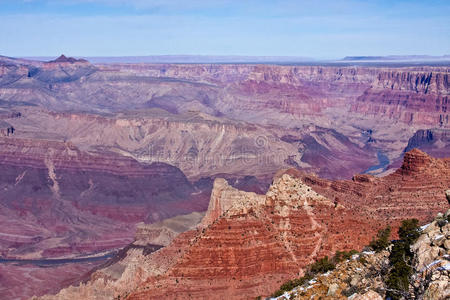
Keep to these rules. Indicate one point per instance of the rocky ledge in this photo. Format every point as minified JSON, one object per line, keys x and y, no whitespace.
{"x":363,"y":276}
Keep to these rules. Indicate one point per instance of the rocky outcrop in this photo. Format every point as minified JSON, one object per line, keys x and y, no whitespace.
{"x":257,"y":242}
{"x":62,"y":59}
{"x":360,"y":277}
{"x":432,"y":260}
{"x":364,"y":275}
{"x":228,"y":200}
{"x":436,"y":142}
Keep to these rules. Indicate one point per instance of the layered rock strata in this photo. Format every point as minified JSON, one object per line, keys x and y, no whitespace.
{"x":248,"y":244}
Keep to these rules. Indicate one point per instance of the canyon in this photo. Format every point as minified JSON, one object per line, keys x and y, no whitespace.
{"x":248,"y":244}
{"x":93,"y":154}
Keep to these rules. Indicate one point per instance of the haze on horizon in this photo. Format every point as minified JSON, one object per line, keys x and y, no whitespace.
{"x":319,"y":29}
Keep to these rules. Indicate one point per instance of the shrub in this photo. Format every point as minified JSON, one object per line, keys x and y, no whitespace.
{"x":400,"y":259}
{"x":289,"y":285}
{"x":341,"y":256}
{"x":382,"y":241}
{"x":409,"y":231}
{"x":322,"y":265}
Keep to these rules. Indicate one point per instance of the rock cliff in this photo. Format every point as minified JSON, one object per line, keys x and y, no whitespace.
{"x":286,"y":94}
{"x":248,"y":244}
{"x":56,"y":199}
{"x":434,"y":141}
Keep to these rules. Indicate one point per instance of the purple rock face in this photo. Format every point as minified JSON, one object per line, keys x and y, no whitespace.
{"x":59,"y":194}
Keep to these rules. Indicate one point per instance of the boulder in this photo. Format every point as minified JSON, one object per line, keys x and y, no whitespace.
{"x":370,"y":295}
{"x":437,"y":290}
{"x":332,"y":289}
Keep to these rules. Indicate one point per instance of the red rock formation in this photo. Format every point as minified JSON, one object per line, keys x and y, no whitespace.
{"x":219,"y":113}
{"x":239,"y":263}
{"x":248,"y":244}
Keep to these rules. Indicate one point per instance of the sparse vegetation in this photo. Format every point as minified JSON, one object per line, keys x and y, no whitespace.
{"x":397,"y":281}
{"x":343,"y":255}
{"x":396,"y":275}
{"x":362,"y":259}
{"x":382,"y":240}
{"x":323,"y":265}
{"x":289,"y":285}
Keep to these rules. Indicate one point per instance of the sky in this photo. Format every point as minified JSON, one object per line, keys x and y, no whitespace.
{"x":306,"y":28}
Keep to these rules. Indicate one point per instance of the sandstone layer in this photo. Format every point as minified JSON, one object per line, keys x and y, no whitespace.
{"x":248,"y":244}
{"x":415,"y":95}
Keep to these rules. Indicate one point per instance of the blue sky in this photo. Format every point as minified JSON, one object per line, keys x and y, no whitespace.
{"x":319,"y":29}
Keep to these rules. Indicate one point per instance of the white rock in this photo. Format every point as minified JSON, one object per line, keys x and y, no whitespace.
{"x":332,"y":289}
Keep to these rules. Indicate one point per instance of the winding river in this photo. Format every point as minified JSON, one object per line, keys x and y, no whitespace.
{"x":58,"y":261}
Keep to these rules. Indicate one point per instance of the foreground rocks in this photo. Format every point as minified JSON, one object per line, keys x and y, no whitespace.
{"x":432,"y":260}
{"x":360,"y":277}
{"x":363,"y":276}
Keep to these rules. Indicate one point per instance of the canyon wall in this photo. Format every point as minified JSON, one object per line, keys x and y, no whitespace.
{"x":56,"y":200}
{"x":248,"y":244}
{"x":202,"y":145}
{"x":97,"y":149}
{"x":412,"y":95}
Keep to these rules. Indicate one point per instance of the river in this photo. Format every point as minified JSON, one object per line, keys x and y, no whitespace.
{"x":58,"y":261}
{"x":383,"y":162}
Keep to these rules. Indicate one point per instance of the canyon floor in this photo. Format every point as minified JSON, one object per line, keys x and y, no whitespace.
{"x":90,"y":153}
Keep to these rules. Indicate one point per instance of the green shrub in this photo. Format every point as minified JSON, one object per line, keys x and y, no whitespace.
{"x":409,"y":231}
{"x":400,"y":259}
{"x":382,"y":240}
{"x":322,"y":265}
{"x":343,"y":255}
{"x":289,"y":285}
